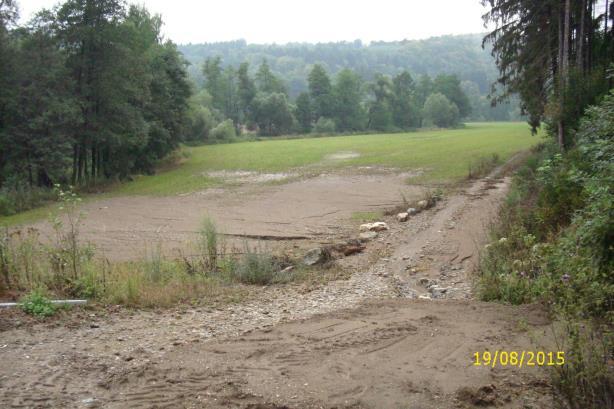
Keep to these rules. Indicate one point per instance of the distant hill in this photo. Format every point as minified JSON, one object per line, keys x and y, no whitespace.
{"x":462,"y":55}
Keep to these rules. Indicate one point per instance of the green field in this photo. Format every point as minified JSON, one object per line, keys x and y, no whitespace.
{"x":444,"y":155}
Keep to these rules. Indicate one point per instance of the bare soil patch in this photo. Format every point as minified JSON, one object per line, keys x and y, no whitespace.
{"x":313,"y":209}
{"x":364,"y":342}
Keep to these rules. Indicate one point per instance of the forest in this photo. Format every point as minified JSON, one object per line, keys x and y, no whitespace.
{"x":90,"y":92}
{"x":462,"y":55}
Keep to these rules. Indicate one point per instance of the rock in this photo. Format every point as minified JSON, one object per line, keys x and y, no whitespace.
{"x":424,"y":281}
{"x":423,"y":204}
{"x":368,"y":236}
{"x":94,"y":325}
{"x":377,"y":226}
{"x":437,"y":292}
{"x":349,"y":247}
{"x":365,"y":227}
{"x":412,"y":211}
{"x":316,"y":256}
{"x":402,"y":217}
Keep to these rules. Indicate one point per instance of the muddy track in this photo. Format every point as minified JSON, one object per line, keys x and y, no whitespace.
{"x":400,"y":333}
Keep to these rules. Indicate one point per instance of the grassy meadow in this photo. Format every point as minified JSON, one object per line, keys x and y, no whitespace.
{"x":445,"y":156}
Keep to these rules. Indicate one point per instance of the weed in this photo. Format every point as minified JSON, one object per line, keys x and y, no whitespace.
{"x":208,"y":245}
{"x":256,"y":267}
{"x":367,"y":216}
{"x":37,"y":304}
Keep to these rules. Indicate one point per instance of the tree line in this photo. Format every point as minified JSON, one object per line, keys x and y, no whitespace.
{"x":462,"y":55}
{"x":557,"y":55}
{"x":235,"y":98}
{"x":89,"y":91}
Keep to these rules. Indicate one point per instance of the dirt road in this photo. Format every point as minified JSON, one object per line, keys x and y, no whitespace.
{"x":398,"y":334}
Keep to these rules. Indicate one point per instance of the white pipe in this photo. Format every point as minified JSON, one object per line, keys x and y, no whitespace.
{"x":69,"y":302}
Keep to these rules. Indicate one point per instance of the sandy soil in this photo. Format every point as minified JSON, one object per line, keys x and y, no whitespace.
{"x":399,"y":333}
{"x":317,"y":208}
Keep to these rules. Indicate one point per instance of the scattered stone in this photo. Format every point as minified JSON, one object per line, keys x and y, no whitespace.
{"x":368,"y":236}
{"x":377,"y":226}
{"x":402,"y":217}
{"x":94,"y":325}
{"x":315,"y":256}
{"x":424,"y":297}
{"x":423,"y":204}
{"x":88,"y":401}
{"x":412,"y":211}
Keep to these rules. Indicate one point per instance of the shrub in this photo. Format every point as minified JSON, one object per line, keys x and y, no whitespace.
{"x":324,"y":126}
{"x":35,"y":303}
{"x":21,"y":197}
{"x":257,"y":267}
{"x":224,"y":131}
{"x":553,"y":243}
{"x":440,"y":111}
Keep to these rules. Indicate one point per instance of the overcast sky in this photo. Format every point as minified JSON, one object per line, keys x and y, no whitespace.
{"x":279,"y":21}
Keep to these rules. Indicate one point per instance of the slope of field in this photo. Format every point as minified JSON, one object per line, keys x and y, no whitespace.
{"x":443,"y":155}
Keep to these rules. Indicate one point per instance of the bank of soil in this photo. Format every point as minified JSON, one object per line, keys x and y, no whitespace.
{"x":399,"y":333}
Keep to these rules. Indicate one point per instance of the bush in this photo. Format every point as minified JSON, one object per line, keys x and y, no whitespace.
{"x":553,"y":243}
{"x":35,"y":303}
{"x":255,"y":267}
{"x":224,"y":131}
{"x":440,"y":111}
{"x":324,"y":126}
{"x":22,"y":198}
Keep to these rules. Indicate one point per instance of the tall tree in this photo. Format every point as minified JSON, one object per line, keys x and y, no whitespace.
{"x":380,"y":108}
{"x":267,"y":81}
{"x":450,"y":86}
{"x":349,"y":114}
{"x":272,"y":113}
{"x":320,"y":90}
{"x":532,"y":43}
{"x":247,"y":90}
{"x":304,"y":113}
{"x":405,"y":111}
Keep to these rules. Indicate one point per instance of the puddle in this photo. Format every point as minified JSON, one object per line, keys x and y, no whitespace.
{"x":244,"y":176}
{"x":344,"y":155}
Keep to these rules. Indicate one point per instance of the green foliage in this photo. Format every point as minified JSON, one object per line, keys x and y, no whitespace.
{"x":20,"y":198}
{"x":440,"y":111}
{"x":224,"y":131}
{"x":320,"y":90}
{"x":347,"y":91}
{"x":405,"y":110}
{"x":257,"y":267}
{"x":324,"y":126}
{"x":272,"y":113}
{"x":94,"y":94}
{"x":450,"y":86}
{"x":209,"y":245}
{"x":303,"y":112}
{"x":37,"y":304}
{"x":554,"y":243}
{"x":586,"y":379}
